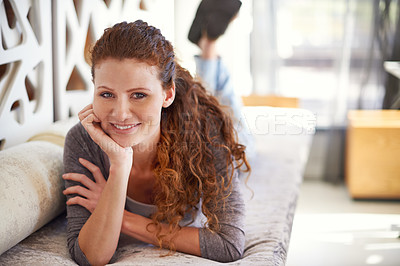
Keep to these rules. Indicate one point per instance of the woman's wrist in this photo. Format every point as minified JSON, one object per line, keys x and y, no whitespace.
{"x":138,"y":227}
{"x":125,"y":222}
{"x":119,"y":168}
{"x":121,"y":162}
{"x":121,"y":158}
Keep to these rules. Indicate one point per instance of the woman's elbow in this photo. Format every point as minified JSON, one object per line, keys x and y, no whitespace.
{"x":232,"y":253}
{"x":82,"y":257}
{"x":235,"y":254}
{"x":99,"y":260}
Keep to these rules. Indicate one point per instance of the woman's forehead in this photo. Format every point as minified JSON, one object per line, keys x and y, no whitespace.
{"x":116,"y":73}
{"x":126,"y":64}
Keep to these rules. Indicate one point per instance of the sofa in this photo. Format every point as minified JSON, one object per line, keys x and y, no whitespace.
{"x":32,"y":206}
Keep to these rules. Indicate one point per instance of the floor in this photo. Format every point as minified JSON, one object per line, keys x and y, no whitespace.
{"x":330,"y":228}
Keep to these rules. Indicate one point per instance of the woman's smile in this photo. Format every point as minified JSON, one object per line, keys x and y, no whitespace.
{"x":125,"y":128}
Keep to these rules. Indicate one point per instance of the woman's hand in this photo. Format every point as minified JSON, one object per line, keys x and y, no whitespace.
{"x":115,"y":152}
{"x":89,"y":196}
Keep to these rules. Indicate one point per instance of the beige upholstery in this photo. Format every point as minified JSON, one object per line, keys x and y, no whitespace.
{"x":30,"y":189}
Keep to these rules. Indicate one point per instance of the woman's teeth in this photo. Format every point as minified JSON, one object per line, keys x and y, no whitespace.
{"x":123,"y":127}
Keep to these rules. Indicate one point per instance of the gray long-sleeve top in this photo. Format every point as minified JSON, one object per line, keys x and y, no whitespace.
{"x":227,"y":245}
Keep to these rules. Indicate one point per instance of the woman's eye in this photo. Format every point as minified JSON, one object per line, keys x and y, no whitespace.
{"x":139,"y":95}
{"x":106,"y":95}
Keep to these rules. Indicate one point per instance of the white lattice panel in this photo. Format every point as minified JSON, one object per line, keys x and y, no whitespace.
{"x":26,"y":97}
{"x":77,"y":24}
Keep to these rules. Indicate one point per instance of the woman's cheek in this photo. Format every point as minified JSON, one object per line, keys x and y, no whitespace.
{"x":95,"y":106}
{"x":97,"y":110}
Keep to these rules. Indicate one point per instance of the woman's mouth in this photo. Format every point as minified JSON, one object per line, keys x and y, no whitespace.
{"x":127,"y":128}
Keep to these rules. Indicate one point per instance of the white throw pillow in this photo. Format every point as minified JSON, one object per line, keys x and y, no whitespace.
{"x":30,"y":189}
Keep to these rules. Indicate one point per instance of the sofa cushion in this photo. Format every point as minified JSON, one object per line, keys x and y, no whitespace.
{"x":30,"y":189}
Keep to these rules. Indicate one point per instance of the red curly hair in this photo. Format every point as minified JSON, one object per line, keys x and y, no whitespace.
{"x":193,"y":128}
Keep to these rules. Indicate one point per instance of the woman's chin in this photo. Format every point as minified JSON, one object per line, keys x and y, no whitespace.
{"x":124,"y":142}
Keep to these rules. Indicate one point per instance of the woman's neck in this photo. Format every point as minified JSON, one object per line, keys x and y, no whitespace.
{"x":145,"y":153}
{"x":141,"y":179}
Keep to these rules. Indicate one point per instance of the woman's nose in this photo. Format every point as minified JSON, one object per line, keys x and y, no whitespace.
{"x":122,"y":110}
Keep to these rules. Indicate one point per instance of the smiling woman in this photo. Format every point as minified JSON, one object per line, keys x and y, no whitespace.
{"x":128,"y":101}
{"x":154,"y":157}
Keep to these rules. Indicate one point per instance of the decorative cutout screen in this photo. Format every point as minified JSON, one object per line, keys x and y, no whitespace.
{"x":26,"y":94}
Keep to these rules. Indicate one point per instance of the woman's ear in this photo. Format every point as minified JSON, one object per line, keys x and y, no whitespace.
{"x":169,"y":96}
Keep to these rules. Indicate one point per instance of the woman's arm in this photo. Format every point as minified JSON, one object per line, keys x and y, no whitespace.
{"x":186,"y":240}
{"x":99,"y":235}
{"x":228,"y":244}
{"x":93,"y":205}
{"x":225,"y":246}
{"x":85,"y":185}
{"x":98,"y":238}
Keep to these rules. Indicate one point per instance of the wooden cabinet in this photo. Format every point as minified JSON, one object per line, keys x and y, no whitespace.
{"x":373,"y":154}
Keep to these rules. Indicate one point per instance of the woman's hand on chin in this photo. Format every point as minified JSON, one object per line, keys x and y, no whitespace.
{"x":116,"y":153}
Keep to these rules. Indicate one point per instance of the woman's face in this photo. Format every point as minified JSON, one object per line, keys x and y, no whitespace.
{"x":128,"y":98}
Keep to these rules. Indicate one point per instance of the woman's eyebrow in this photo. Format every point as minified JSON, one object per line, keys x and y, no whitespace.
{"x":104,"y":87}
{"x":129,"y":90}
{"x":138,"y":89}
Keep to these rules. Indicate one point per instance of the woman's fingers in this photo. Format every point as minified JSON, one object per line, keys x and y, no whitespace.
{"x":95,"y":131}
{"x":91,"y":120}
{"x":83,"y":115}
{"x":78,"y":190}
{"x":82,"y":192}
{"x":106,"y":143}
{"x":84,"y":112}
{"x":98,"y":176}
{"x":86,"y":198}
{"x":84,"y":180}
{"x":87,"y":113}
{"x":92,"y":125}
{"x":88,"y":119}
{"x":87,"y":204}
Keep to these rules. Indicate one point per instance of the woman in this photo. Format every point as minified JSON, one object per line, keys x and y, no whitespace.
{"x":154,"y":156}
